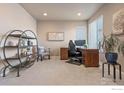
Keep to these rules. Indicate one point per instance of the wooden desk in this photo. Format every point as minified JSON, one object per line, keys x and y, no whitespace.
{"x":90,"y":57}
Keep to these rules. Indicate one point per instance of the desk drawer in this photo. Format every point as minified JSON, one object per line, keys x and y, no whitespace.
{"x":91,"y":58}
{"x":63,"y":53}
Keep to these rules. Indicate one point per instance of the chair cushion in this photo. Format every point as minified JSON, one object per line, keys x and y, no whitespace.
{"x":41,"y":50}
{"x":45,"y":53}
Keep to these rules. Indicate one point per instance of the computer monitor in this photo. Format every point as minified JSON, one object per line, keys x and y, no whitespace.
{"x":80,"y":42}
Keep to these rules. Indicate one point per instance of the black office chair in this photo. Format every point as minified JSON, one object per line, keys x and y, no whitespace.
{"x":75,"y":56}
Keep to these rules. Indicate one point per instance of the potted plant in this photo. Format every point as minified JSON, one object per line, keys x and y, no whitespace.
{"x":121,"y":48}
{"x":110,"y":45}
{"x":85,"y":46}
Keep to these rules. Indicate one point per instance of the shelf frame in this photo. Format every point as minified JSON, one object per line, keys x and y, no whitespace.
{"x":21,"y":35}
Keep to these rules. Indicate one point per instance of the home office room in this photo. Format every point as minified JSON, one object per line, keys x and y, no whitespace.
{"x":81,"y":45}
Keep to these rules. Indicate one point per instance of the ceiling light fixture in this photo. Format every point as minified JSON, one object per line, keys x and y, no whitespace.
{"x":79,"y":14}
{"x":45,"y":14}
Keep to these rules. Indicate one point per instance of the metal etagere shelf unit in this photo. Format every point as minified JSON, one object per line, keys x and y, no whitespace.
{"x":20,"y":49}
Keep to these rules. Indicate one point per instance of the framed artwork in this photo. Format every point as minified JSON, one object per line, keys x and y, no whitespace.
{"x":55,"y":36}
{"x":118,"y":22}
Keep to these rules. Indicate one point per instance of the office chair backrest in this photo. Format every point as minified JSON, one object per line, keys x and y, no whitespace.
{"x":72,"y":47}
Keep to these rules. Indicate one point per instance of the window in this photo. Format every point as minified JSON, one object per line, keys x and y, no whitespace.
{"x":92,"y":41}
{"x":81,"y":33}
{"x":95,"y":34}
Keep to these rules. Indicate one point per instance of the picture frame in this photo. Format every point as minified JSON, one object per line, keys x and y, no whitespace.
{"x":55,"y":36}
{"x":117,"y":23}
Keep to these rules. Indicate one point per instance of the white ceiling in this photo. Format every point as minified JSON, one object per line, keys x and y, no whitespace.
{"x":61,"y":11}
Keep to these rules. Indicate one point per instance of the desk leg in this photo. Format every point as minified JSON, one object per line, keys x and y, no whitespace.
{"x":108,"y":69}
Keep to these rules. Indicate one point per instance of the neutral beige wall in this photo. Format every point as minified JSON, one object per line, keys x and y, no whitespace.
{"x":13,"y":16}
{"x":68,"y":27}
{"x":107,"y":11}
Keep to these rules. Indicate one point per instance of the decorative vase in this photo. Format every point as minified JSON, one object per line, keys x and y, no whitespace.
{"x":111,"y":57}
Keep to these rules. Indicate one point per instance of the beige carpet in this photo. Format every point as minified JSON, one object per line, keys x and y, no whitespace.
{"x":57,"y":72}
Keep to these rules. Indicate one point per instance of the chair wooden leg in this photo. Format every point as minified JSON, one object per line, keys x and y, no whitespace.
{"x":37,"y":58}
{"x":114,"y":72}
{"x":108,"y":69}
{"x":49,"y":57}
{"x":120,"y":72}
{"x":103,"y":70}
{"x":41,"y":58}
